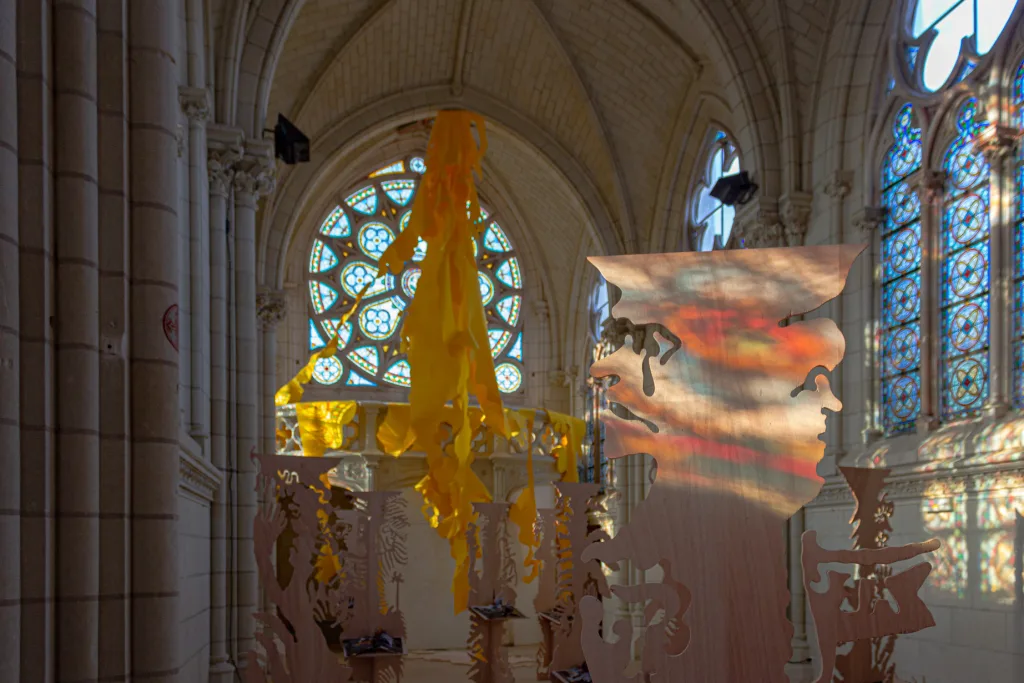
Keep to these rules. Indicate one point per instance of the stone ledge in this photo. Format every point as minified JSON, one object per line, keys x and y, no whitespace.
{"x":195,"y":474}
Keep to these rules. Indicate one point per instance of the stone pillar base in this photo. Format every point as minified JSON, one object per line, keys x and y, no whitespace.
{"x":222,"y":671}
{"x":798,"y":673}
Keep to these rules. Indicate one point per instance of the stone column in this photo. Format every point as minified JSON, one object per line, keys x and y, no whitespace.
{"x":998,"y":143}
{"x":77,"y":322}
{"x":930,"y":186}
{"x":196,"y":104}
{"x":36,"y":299}
{"x":155,"y":421}
{"x":10,"y":348}
{"x":867,"y":221}
{"x":271,"y":311}
{"x":224,"y":151}
{"x":114,"y":396}
{"x":254,"y":176}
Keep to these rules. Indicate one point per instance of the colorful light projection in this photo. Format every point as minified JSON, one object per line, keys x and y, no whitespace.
{"x":730,"y":404}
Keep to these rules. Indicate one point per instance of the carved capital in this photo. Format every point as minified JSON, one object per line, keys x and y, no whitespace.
{"x":271,"y":309}
{"x":758,"y":224}
{"x":868,"y":218}
{"x":931,"y":185}
{"x":255,"y":174}
{"x":225,"y":149}
{"x":839,"y":185}
{"x":195,"y":102}
{"x":997,"y":142}
{"x":564,"y":378}
{"x":796,"y":216}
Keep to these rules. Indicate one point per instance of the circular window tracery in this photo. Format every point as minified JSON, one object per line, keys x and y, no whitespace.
{"x":344,"y":257}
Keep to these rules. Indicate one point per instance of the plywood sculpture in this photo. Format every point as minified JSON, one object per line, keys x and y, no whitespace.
{"x":491,"y":594}
{"x":374,"y":634}
{"x":730,"y":402}
{"x":576,"y":578}
{"x":294,"y":649}
{"x":870,"y":660}
{"x":547,"y":589}
{"x":870,"y":619}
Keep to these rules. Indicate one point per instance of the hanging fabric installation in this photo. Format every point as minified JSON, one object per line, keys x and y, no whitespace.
{"x":445,"y":334}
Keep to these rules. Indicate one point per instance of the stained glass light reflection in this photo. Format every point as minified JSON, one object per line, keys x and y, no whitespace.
{"x":1017,"y":295}
{"x":344,"y":259}
{"x":901,"y":279}
{"x":965,"y":273}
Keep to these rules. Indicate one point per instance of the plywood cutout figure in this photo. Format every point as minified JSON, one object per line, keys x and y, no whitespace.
{"x":489,"y":546}
{"x":375,"y":558}
{"x":870,"y":660}
{"x":871,"y":618}
{"x":730,"y":402}
{"x":294,"y":649}
{"x":547,"y":588}
{"x":576,"y":578}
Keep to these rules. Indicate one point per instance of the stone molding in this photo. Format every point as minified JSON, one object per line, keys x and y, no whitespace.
{"x":271,"y":308}
{"x":867,"y":219}
{"x":198,"y":476}
{"x":917,"y":484}
{"x":195,"y":102}
{"x":795,"y":209}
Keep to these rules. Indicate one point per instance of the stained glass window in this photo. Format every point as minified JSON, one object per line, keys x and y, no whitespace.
{"x":1017,"y":294}
{"x":713,"y":218}
{"x":593,"y":467}
{"x":344,"y":257}
{"x":951,"y":21}
{"x":964,"y":245}
{"x":901,"y":278}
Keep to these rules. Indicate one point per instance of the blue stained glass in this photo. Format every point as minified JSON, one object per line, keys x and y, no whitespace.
{"x":397,"y":167}
{"x":495,"y":239}
{"x":356,"y":274}
{"x":315,"y":340}
{"x":379,"y":320}
{"x":357,"y":380}
{"x":374,"y":239}
{"x":912,"y":52}
{"x":328,"y":370}
{"x":336,"y":225}
{"x":1018,"y":250}
{"x":508,"y":273}
{"x":364,"y":201}
{"x":367,"y":358}
{"x":417,"y":164}
{"x":508,"y":308}
{"x":965,"y":273}
{"x":332,"y":324}
{"x":399,"y":191}
{"x":498,"y":339}
{"x":322,"y":258}
{"x":517,"y":349}
{"x":901,"y":279}
{"x":486,"y":288}
{"x":509,"y":377}
{"x":399,"y":374}
{"x":410,"y":279}
{"x":323,"y":295}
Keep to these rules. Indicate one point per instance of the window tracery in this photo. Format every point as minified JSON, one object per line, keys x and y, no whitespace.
{"x":344,"y":257}
{"x":712,"y":218}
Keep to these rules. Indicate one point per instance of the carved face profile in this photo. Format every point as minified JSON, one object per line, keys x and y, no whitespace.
{"x":733,"y":403}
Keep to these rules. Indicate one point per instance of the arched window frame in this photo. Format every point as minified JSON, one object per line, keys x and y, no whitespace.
{"x":907,"y":56}
{"x":343,"y":368}
{"x":995,"y":81}
{"x":717,"y":139}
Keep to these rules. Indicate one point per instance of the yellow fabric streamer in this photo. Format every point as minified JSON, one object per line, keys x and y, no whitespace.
{"x":322,"y":425}
{"x":445,"y":332}
{"x":570,"y":432}
{"x":524,"y":512}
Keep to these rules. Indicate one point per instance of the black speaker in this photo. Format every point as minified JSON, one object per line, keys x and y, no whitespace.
{"x":734,"y":189}
{"x":290,"y":144}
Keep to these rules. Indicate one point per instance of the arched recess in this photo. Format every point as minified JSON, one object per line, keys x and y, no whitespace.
{"x":291,"y":204}
{"x":709,"y":110}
